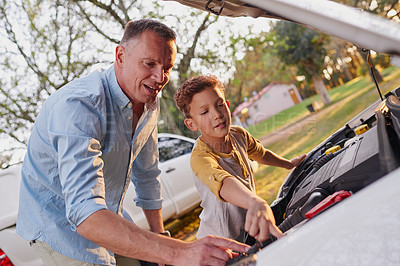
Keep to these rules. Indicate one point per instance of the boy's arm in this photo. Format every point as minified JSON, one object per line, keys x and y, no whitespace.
{"x":256,"y":150}
{"x":273,"y":159}
{"x":259,"y":218}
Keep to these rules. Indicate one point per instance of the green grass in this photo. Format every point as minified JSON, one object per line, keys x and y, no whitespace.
{"x":300,"y":110}
{"x":269,"y":179}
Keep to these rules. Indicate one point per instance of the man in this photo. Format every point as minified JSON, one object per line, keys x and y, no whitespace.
{"x":91,"y":137}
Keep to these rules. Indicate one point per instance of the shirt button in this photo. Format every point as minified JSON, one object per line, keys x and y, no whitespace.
{"x":129,"y":117}
{"x":209,"y":178}
{"x":129,"y":105}
{"x":122,"y":107}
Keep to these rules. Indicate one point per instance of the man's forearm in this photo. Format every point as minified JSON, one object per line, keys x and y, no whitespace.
{"x":120,"y":236}
{"x":155,"y":220}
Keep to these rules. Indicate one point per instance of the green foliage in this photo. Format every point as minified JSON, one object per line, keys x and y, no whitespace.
{"x":300,"y":46}
{"x":382,"y":60}
{"x":362,"y":70}
{"x":257,"y":68}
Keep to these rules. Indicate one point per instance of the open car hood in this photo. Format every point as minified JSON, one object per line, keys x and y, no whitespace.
{"x":364,"y":29}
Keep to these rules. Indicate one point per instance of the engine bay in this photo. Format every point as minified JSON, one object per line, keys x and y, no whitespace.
{"x":364,"y":150}
{"x":359,"y":153}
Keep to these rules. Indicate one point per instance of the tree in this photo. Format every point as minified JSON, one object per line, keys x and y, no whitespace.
{"x":257,"y":68}
{"x":304,"y":48}
{"x":385,"y":8}
{"x":38,"y":59}
{"x":46,"y":44}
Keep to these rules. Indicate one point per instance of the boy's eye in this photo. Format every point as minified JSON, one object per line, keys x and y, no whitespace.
{"x":203,"y":113}
{"x":150,"y":64}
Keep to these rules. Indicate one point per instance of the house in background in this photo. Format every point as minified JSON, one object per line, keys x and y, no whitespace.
{"x":271,"y":100}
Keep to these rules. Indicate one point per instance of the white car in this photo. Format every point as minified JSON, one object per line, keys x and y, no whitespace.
{"x":178,"y":191}
{"x":177,"y":186}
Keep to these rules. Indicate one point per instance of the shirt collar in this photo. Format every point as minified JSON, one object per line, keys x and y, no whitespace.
{"x":117,"y":94}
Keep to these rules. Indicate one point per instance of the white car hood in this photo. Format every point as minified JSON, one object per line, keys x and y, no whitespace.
{"x":9,"y":195}
{"x":364,"y":229}
{"x":361,"y":28}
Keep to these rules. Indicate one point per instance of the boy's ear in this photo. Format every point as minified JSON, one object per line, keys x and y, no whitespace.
{"x":227,"y":103}
{"x":191,"y":124}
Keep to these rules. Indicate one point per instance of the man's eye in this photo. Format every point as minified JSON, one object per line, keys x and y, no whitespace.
{"x":150,"y":64}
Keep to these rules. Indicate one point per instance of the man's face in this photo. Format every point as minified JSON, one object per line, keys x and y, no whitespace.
{"x":210,"y":114}
{"x":144,"y":66}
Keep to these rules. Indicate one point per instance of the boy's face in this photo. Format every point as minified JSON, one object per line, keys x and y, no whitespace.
{"x":210,"y":114}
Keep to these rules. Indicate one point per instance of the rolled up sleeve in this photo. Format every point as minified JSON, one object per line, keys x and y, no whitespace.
{"x":255,"y":149}
{"x":206,"y":167}
{"x":146,"y":175}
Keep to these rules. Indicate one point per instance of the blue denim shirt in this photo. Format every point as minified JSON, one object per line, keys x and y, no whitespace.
{"x":81,"y":156}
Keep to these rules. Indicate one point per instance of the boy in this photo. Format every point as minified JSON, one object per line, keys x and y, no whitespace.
{"x":220,"y":161}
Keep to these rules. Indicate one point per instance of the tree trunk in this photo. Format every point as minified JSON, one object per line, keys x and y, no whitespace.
{"x":166,"y":120}
{"x":321,"y":89}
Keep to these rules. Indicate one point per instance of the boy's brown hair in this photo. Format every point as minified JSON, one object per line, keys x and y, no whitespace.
{"x":183,"y":97}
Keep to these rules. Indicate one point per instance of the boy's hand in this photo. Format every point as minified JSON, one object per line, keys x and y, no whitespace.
{"x":260,"y":220}
{"x":297,"y":160}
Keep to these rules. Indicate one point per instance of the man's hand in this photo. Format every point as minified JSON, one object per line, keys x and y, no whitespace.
{"x":297,"y":160}
{"x":260,"y":220}
{"x":210,"y":250}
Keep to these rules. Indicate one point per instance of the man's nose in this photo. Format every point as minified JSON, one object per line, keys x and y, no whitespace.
{"x":158,"y":75}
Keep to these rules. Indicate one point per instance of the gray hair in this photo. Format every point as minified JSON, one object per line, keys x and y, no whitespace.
{"x":133,"y":29}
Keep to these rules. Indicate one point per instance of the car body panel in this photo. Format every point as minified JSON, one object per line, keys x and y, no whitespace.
{"x":9,"y":184}
{"x":18,"y":249}
{"x":361,"y":230}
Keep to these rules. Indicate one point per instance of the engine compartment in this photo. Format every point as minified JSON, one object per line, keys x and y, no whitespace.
{"x":359,"y":153}
{"x":364,"y":150}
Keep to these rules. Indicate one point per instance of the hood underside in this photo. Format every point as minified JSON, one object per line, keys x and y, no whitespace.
{"x":361,"y":28}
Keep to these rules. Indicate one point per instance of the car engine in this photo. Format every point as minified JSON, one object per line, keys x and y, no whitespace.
{"x":361,"y":152}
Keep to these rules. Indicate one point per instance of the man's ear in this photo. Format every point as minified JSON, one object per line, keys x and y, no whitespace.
{"x":191,"y":124}
{"x":227,"y":103}
{"x":120,"y":55}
